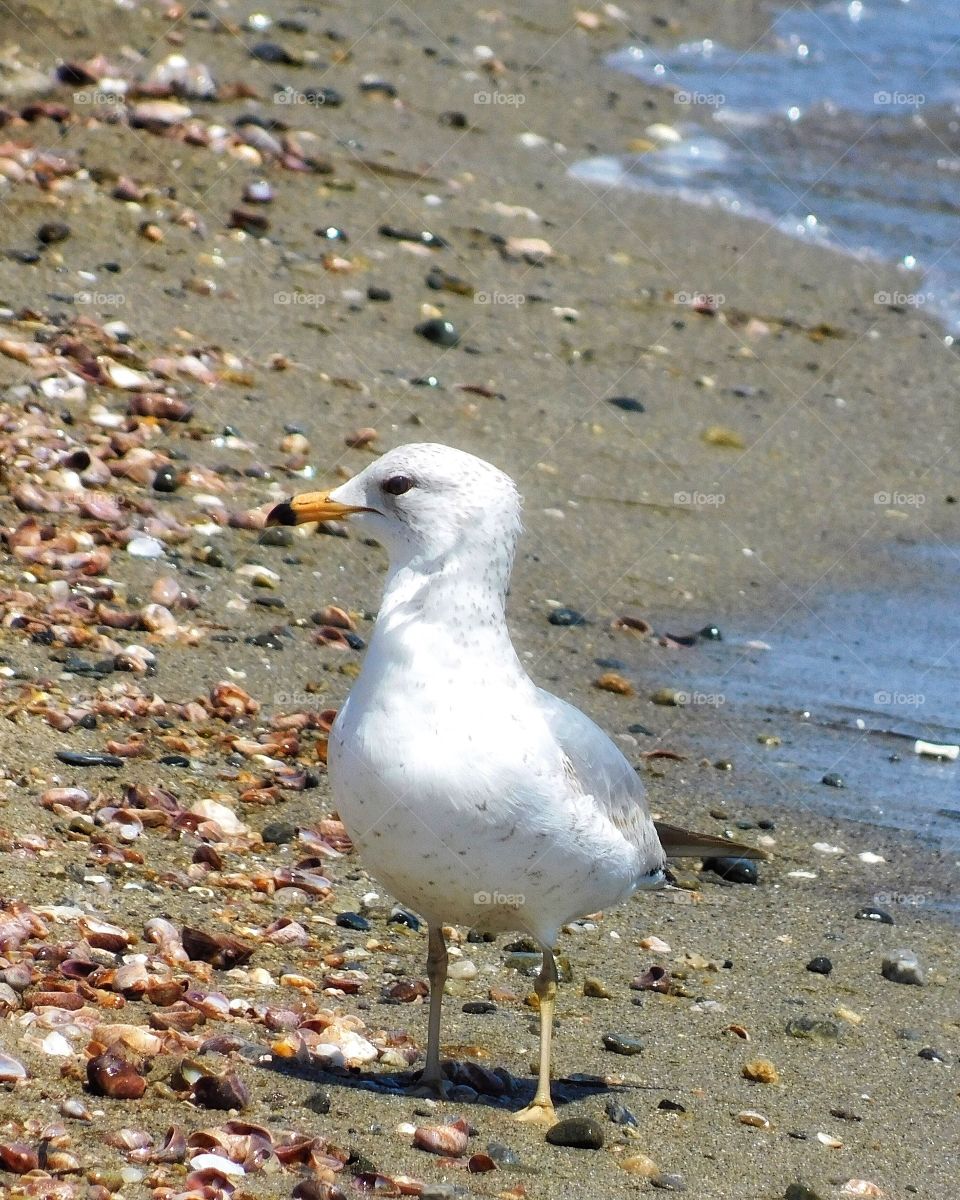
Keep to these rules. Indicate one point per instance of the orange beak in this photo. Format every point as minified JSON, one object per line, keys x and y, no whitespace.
{"x":310,"y":506}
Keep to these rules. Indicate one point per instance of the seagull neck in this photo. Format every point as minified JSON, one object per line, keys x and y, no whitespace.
{"x":450,"y":599}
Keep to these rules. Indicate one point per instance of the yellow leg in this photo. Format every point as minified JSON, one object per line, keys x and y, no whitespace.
{"x":432,"y":1082}
{"x":541,"y":1109}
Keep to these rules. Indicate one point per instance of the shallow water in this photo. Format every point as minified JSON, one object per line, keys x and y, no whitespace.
{"x":849,"y":682}
{"x":840,"y":124}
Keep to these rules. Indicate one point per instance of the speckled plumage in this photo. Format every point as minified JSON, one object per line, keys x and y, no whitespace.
{"x":475,"y":797}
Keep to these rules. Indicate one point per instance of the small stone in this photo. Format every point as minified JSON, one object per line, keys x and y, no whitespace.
{"x":640,"y":1165}
{"x":669,"y":697}
{"x":258,"y":191}
{"x":439,"y":331}
{"x":580,"y":1132}
{"x":400,"y":916}
{"x":710,"y":633}
{"x":669,"y":1183}
{"x":272,"y":52}
{"x":902,"y":966}
{"x":110,"y":1075}
{"x":379,"y":295}
{"x":627,"y":404}
{"x":754,"y":1119}
{"x":832,"y":779}
{"x":760,"y":1070}
{"x":870,"y":912}
{"x":733,"y":869}
{"x":145,"y":547}
{"x":167,"y":479}
{"x":352,"y":920}
{"x":462,"y":968}
{"x":566,"y":617}
{"x":253,"y":223}
{"x":619,"y":1114}
{"x":503,"y":1154}
{"x":596,"y":988}
{"x":613,"y":681}
{"x":617,"y":1043}
{"x":278,"y":833}
{"x":932,"y":1055}
{"x":221,"y":1092}
{"x":668,"y":1105}
{"x":800,"y":1191}
{"x":51,"y":232}
{"x":479,"y":1008}
{"x":821,"y":965}
{"x":84,"y":758}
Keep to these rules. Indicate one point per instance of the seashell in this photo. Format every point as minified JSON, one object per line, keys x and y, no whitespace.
{"x":221,"y":1092}
{"x":104,"y":936}
{"x":166,"y":936}
{"x":448,"y":1139}
{"x":860,"y":1187}
{"x":160,"y":406}
{"x":754,"y":1119}
{"x":110,"y":1075}
{"x":225,"y":818}
{"x":220,"y":950}
{"x":138,"y":1038}
{"x":18,"y":1157}
{"x":158,"y":115}
{"x":656,"y":979}
{"x":11,"y":1069}
{"x":827,"y":1139}
{"x":127,"y":1139}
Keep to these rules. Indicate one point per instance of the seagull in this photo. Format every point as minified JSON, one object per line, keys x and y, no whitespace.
{"x":474,"y":796}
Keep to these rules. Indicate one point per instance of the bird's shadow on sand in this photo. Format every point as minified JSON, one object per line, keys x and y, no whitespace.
{"x":512,"y":1096}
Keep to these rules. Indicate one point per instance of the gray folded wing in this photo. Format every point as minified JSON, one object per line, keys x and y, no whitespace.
{"x":599,"y":770}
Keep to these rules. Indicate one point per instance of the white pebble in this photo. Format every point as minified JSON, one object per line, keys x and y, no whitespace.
{"x":868,"y":856}
{"x":216,"y":1162}
{"x":145,"y":547}
{"x":464,"y":969}
{"x":56,"y":1043}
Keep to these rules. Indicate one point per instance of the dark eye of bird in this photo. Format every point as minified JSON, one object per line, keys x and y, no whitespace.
{"x":396,"y":485}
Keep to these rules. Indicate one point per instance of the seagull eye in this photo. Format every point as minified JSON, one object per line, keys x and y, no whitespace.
{"x":396,"y":485}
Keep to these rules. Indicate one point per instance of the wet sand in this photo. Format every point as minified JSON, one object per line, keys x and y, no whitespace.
{"x":626,"y":512}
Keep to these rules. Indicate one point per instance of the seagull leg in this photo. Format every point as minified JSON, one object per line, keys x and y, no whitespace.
{"x":540,"y":1109}
{"x":432,"y":1082}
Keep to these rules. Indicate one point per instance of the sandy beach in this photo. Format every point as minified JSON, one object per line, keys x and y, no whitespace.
{"x":208,"y":301}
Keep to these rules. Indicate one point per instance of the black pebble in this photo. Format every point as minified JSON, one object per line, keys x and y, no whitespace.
{"x":870,"y":912}
{"x":271,"y":52}
{"x":276,"y":535}
{"x":278,"y":833}
{"x":332,"y":233}
{"x":430,"y":381}
{"x":455,"y":120}
{"x":636,"y":728}
{"x":439,"y":331}
{"x":352,"y":920}
{"x":379,"y":294}
{"x":710,"y":633}
{"x":734,"y":870}
{"x":379,"y":87}
{"x":832,"y":779}
{"x":175,"y":760}
{"x":566,"y":616}
{"x":932,"y":1055}
{"x":580,"y":1132}
{"x":268,"y":640}
{"x":618,"y":1043}
{"x":479,"y":1008}
{"x":400,"y":916}
{"x":327,"y":96}
{"x":422,"y":236}
{"x":821,"y":965}
{"x":84,"y":758}
{"x":167,"y":479}
{"x":51,"y":232}
{"x":627,"y":404}
{"x":671,"y":1106}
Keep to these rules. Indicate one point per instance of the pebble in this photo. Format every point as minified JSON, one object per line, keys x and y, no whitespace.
{"x":400,"y":916}
{"x":754,"y":1119}
{"x":273,"y":52}
{"x":503,"y":1154}
{"x":380,"y":295}
{"x":617,"y":1043}
{"x":167,"y":479}
{"x":582,"y":1133}
{"x":145,"y":547}
{"x":932,"y":1055}
{"x":733,"y":869}
{"x":800,"y":1191}
{"x":439,"y":331}
{"x":668,"y":1105}
{"x":352,"y":920}
{"x":669,"y":697}
{"x":221,"y":1092}
{"x":760,"y":1070}
{"x":902,"y":966}
{"x":51,"y":232}
{"x":566,"y":616}
{"x":619,"y":1114}
{"x":278,"y":833}
{"x":640,"y":1165}
{"x":462,"y":968}
{"x":821,"y":965}
{"x":479,"y":1008}
{"x":596,"y":988}
{"x":110,"y":1075}
{"x":627,"y":404}
{"x":92,"y":758}
{"x":422,"y":237}
{"x":669,"y":1183}
{"x":832,"y":779}
{"x":871,"y":913}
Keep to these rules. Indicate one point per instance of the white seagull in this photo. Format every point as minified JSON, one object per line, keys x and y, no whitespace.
{"x":474,"y":796}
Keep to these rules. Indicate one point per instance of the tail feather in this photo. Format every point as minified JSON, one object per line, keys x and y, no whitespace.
{"x":685,"y":843}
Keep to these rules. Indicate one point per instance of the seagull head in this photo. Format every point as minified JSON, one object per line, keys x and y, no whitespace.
{"x":427,"y":504}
